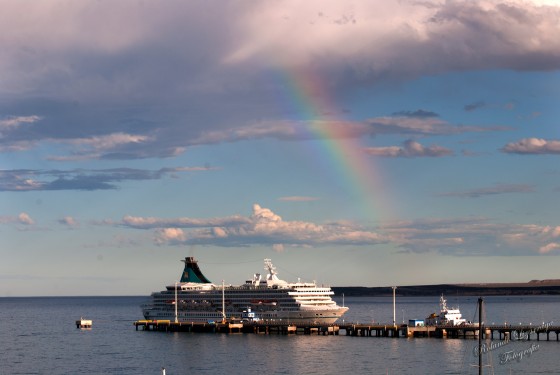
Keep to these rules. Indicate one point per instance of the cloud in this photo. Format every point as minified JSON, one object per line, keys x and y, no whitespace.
{"x":169,"y":236}
{"x":20,"y":180}
{"x":21,"y":133}
{"x":69,"y":221}
{"x":463,"y":34}
{"x":533,"y":146}
{"x":471,"y":236}
{"x":263,"y":227}
{"x":12,"y":122}
{"x":289,"y":130}
{"x":156,"y":143}
{"x":9,"y":126}
{"x":419,"y":113}
{"x":423,"y":126}
{"x":549,"y":248}
{"x":338,"y":129}
{"x":23,"y":218}
{"x":101,"y":147}
{"x":509,"y":106}
{"x":410,"y":149}
{"x":152,"y":76}
{"x":494,"y":190}
{"x":474,"y":106}
{"x":152,"y":222}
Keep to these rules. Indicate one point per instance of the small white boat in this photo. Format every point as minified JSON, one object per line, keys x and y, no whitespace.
{"x":249,"y":316}
{"x":83,"y":323}
{"x":447,"y":316}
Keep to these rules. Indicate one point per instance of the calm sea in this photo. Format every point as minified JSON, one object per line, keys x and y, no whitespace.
{"x":38,"y":336}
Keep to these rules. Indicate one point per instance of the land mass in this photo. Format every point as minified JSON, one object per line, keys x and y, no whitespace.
{"x":533,"y":287}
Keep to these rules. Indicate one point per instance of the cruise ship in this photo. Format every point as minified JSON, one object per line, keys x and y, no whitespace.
{"x":196,"y":299}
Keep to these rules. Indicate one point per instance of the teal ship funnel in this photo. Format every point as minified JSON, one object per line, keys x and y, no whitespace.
{"x":192,"y":273}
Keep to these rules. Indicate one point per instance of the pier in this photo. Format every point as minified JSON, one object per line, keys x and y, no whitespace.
{"x":490,"y":332}
{"x":235,"y":327}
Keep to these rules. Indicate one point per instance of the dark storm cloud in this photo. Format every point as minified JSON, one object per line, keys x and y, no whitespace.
{"x":171,"y":75}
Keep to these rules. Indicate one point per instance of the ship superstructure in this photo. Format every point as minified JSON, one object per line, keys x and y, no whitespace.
{"x":196,"y":299}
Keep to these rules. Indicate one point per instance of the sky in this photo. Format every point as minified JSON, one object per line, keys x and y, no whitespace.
{"x":355,"y":143}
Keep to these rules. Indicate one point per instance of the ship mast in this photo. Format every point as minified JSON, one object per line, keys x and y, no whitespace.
{"x":480,"y":300}
{"x":394,"y":318}
{"x":223,"y":303}
{"x":176,"y":320}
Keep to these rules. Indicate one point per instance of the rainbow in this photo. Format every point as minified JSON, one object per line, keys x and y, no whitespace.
{"x":338,"y":150}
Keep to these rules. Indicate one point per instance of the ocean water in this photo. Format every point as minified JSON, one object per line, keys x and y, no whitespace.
{"x":39,"y":336}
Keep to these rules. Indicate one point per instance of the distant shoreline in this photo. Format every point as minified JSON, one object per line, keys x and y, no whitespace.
{"x":534,"y":287}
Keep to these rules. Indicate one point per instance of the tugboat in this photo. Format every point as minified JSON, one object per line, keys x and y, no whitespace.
{"x":447,"y":316}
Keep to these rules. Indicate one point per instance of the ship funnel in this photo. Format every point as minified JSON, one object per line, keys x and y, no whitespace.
{"x":192,"y":273}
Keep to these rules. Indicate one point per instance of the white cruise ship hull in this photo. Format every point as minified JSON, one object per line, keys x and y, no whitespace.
{"x":289,"y":317}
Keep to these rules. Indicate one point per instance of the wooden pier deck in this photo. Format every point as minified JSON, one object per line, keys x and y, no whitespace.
{"x":234,"y":327}
{"x":491,"y":332}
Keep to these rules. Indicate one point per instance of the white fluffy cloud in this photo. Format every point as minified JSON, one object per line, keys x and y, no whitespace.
{"x":23,"y":218}
{"x":263,"y":227}
{"x":169,"y":235}
{"x":461,"y":236}
{"x":533,"y":146}
{"x":69,"y":221}
{"x":550,"y":247}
